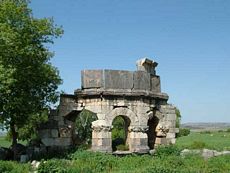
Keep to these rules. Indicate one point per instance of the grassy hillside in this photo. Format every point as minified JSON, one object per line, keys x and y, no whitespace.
{"x":211,"y":140}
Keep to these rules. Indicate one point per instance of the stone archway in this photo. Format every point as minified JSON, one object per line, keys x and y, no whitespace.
{"x":83,"y":131}
{"x":120,"y":133}
{"x":101,"y":135}
{"x":137,"y":136}
{"x":123,"y":111}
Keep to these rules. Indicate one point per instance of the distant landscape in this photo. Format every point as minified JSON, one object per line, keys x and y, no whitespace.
{"x":205,"y":126}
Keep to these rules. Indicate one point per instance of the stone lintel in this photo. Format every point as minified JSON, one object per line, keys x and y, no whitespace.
{"x":122,"y":93}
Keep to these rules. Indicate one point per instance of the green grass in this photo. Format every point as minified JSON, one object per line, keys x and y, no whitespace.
{"x":166,"y":159}
{"x":92,"y":162}
{"x":85,"y":161}
{"x":14,"y":167}
{"x":6,"y":143}
{"x":213,"y":140}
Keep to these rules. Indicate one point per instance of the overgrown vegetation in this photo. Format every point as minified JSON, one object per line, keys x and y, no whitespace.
{"x":83,"y":127}
{"x":183,"y":132}
{"x":14,"y":167}
{"x":119,"y":134}
{"x":165,"y":162}
{"x":122,"y":147}
{"x":178,"y":118}
{"x":198,"y":145}
{"x":169,"y":150}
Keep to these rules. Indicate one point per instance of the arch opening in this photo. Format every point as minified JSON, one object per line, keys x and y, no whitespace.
{"x":151,"y":133}
{"x":83,"y":128}
{"x":120,"y":134}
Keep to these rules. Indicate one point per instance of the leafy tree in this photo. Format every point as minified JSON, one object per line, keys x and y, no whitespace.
{"x":83,"y":126}
{"x":28,"y":81}
{"x":178,"y":118}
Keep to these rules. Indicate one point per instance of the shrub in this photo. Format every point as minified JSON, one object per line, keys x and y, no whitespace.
{"x":53,"y":166}
{"x":10,"y":166}
{"x":122,"y":147}
{"x":183,"y":132}
{"x":169,"y":150}
{"x":198,"y":145}
{"x":228,"y":130}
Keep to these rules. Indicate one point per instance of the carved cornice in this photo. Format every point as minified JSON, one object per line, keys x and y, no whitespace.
{"x":102,"y":128}
{"x":142,"y":129}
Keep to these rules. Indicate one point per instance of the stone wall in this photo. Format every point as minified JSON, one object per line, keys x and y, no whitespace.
{"x":120,"y":79}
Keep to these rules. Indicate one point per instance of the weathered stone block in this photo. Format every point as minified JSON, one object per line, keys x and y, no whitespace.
{"x":48,"y":141}
{"x":167,"y":106}
{"x":106,"y":142}
{"x":102,"y":134}
{"x":174,"y":130}
{"x":161,"y":141}
{"x":141,"y":80}
{"x":54,"y":133}
{"x":118,"y":79}
{"x":147,"y":65}
{"x":170,"y":117}
{"x":167,"y":111}
{"x":106,"y":149}
{"x":57,"y":118}
{"x":137,"y":135}
{"x":143,"y":141}
{"x":44,"y":133}
{"x":170,"y":135}
{"x":155,"y":84}
{"x":92,"y":79}
{"x":62,"y":141}
{"x":134,"y":142}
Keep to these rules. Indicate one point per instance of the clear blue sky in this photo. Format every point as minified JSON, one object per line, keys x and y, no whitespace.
{"x":189,"y":39}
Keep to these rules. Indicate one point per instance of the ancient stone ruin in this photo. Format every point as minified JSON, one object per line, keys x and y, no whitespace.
{"x":134,"y":95}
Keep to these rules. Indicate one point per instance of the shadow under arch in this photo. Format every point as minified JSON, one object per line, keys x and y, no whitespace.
{"x":152,"y":124}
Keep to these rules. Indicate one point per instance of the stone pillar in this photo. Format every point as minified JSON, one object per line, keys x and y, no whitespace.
{"x":169,"y":112}
{"x":138,"y":139}
{"x":101,"y":136}
{"x":147,"y":65}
